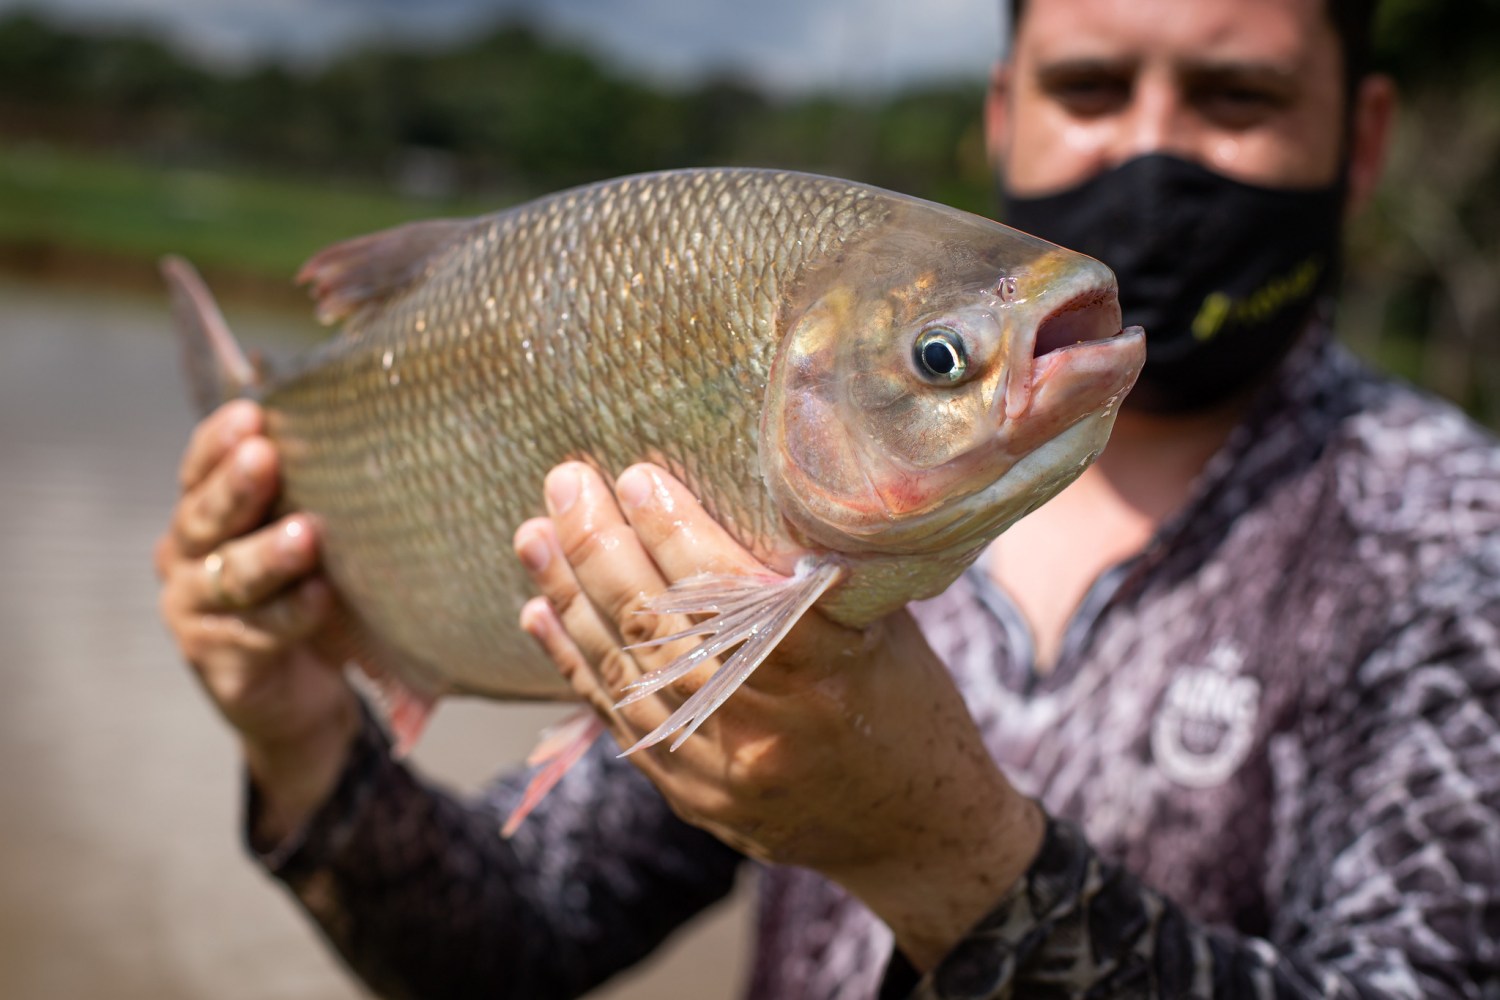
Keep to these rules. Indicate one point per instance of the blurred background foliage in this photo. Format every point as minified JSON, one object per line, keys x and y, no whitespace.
{"x":116,"y":148}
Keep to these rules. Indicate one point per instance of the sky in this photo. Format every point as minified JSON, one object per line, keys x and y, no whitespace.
{"x":785,"y":45}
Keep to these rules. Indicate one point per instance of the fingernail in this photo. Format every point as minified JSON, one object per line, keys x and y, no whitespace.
{"x":290,"y":541}
{"x":244,"y":463}
{"x":633,"y":488}
{"x":534,"y":552}
{"x":534,"y":618}
{"x":238,"y":422}
{"x":562,"y":489}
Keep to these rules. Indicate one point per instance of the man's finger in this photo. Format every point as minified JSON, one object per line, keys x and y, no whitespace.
{"x":674,"y":528}
{"x":541,"y":622}
{"x":248,"y":570}
{"x":214,"y":437}
{"x":231,"y":499}
{"x":604,"y":552}
{"x":294,"y":615}
{"x":683,"y":540}
{"x":595,"y":635}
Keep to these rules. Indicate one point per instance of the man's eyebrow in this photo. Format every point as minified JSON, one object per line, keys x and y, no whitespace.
{"x":1083,"y":65}
{"x":1238,"y":69}
{"x":1274,"y":74}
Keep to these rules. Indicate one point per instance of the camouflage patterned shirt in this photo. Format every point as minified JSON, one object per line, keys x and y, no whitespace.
{"x":1269,"y":748}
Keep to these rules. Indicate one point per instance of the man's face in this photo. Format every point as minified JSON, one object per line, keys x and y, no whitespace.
{"x":1250,"y":88}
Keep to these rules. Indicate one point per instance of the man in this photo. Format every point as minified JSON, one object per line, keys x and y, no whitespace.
{"x":1248,"y":664}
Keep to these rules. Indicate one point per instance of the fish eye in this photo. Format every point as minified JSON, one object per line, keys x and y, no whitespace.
{"x":940,"y":354}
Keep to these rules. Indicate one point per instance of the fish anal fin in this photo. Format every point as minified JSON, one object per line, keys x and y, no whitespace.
{"x":217,"y":368}
{"x":406,"y":706}
{"x":403,"y":688}
{"x":753,"y":613}
{"x":561,"y":746}
{"x":409,"y":712}
{"x":368,"y":269}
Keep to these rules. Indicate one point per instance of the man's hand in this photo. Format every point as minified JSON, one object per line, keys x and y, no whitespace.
{"x":245,"y":603}
{"x":849,"y":752}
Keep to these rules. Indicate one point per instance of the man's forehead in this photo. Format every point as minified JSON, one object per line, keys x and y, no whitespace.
{"x":1284,"y":33}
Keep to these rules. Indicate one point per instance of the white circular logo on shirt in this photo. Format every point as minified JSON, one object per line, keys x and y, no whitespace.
{"x":1203,"y":729}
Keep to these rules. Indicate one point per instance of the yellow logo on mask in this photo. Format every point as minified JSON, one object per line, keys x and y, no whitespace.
{"x":1219,"y":309}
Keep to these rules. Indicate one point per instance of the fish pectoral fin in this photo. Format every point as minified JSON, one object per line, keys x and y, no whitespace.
{"x":561,"y":746}
{"x":349,"y":275}
{"x":754,"y":613}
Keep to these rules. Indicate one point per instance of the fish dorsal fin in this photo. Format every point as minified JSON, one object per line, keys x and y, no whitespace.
{"x":368,"y":269}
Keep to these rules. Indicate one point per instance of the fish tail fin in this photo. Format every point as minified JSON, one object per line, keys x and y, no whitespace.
{"x":561,"y":746}
{"x":217,"y":369}
{"x":754,"y":613}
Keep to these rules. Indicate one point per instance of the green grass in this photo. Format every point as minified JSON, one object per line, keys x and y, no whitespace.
{"x":237,"y":222}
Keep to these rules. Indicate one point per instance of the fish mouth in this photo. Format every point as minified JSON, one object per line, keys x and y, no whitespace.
{"x":1078,"y":324}
{"x":1090,"y":316}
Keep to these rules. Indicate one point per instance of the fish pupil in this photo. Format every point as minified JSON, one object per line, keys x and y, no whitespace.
{"x":939,"y":357}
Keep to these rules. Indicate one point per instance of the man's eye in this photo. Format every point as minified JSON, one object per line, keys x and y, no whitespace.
{"x":1090,"y":96}
{"x":1237,"y":107}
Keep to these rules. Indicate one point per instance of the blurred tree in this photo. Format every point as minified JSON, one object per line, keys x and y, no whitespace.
{"x":97,"y":88}
{"x":1423,"y":295}
{"x":511,"y":113}
{"x":930,"y":142}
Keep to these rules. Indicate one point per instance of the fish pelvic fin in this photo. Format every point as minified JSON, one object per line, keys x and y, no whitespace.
{"x":561,"y":746}
{"x":348,"y":276}
{"x":754,"y":612}
{"x":217,"y":369}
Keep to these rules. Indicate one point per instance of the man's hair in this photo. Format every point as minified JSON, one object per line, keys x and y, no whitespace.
{"x":1352,"y":20}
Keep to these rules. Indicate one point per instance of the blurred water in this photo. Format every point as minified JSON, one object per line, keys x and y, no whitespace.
{"x":121,"y":873}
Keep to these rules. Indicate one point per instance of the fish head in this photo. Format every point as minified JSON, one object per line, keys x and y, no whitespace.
{"x":938,"y":381}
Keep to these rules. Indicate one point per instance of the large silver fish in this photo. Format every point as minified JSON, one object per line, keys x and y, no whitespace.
{"x":862,"y":387}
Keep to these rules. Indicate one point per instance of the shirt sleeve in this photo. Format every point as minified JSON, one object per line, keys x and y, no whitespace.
{"x":421,"y":896}
{"x":1393,"y":889}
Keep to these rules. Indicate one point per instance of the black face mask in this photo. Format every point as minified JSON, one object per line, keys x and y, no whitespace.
{"x":1223,"y":275}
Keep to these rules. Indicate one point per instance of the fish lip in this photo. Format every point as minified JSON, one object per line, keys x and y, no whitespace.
{"x":1088,"y":317}
{"x":1078,"y":352}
